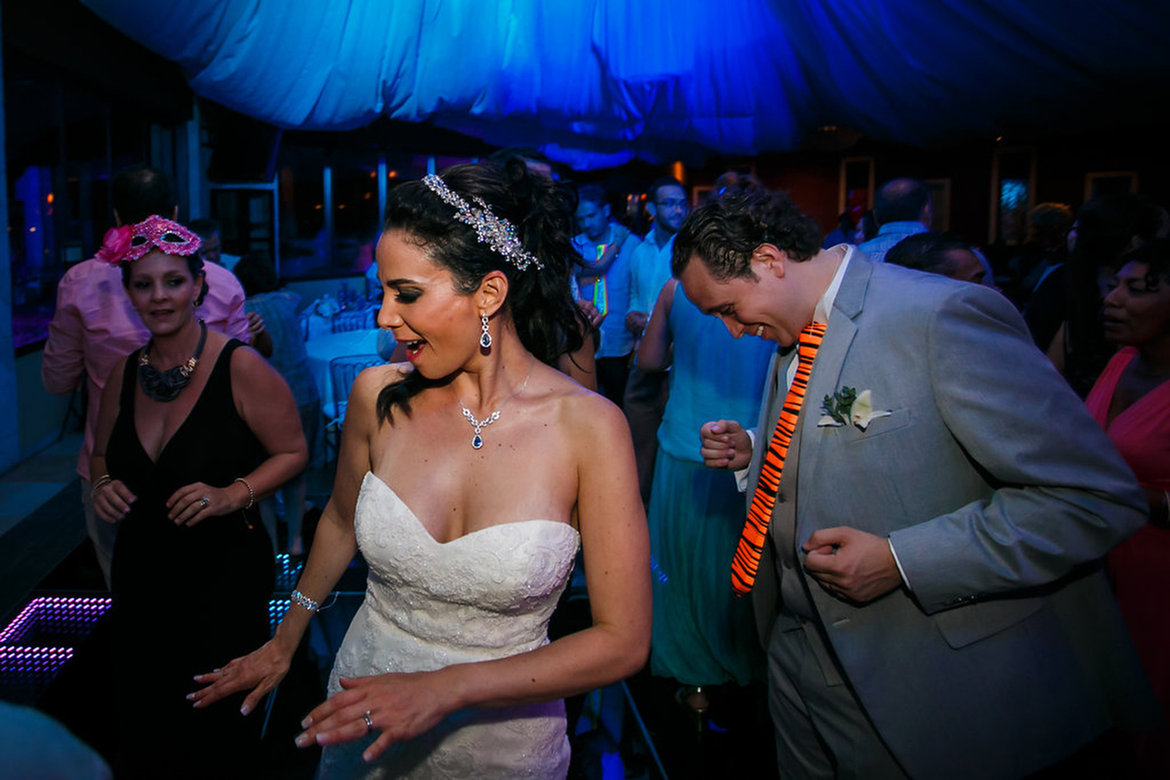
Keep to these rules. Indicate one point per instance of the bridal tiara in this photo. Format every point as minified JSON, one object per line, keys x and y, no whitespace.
{"x":497,"y":232}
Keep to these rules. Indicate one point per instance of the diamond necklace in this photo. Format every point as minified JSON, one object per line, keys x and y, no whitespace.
{"x":479,"y":425}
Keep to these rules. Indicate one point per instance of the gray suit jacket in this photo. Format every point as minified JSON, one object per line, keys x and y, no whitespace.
{"x":1000,"y":494}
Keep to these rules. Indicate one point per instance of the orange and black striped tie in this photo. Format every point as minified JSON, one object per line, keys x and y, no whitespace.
{"x":746,"y":562}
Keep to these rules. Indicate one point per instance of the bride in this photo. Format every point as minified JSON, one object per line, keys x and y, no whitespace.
{"x":467,"y":480}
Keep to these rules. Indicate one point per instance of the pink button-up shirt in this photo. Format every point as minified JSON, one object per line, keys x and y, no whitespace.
{"x":95,"y":325}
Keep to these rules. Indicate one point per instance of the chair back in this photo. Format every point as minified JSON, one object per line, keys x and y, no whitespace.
{"x":361,"y":319}
{"x":342,"y":373}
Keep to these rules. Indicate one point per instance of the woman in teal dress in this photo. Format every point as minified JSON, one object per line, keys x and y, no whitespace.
{"x":702,"y":635}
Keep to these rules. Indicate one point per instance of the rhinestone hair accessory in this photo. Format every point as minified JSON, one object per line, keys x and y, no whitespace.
{"x":497,"y":232}
{"x":132,"y":242}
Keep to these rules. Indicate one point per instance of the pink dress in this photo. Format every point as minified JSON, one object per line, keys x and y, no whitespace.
{"x":1140,"y":564}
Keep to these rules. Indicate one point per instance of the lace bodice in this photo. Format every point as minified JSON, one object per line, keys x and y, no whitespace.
{"x":485,"y":595}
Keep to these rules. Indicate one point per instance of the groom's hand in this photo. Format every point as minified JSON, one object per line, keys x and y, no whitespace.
{"x":851,"y":564}
{"x":724,"y":444}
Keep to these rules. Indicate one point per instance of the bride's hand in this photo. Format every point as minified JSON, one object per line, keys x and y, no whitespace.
{"x":399,"y":706}
{"x":259,"y":670}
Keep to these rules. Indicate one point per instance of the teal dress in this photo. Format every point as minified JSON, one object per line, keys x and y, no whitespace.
{"x":702,"y":634}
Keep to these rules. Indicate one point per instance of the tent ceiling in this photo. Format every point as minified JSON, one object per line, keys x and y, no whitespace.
{"x":598,"y":82}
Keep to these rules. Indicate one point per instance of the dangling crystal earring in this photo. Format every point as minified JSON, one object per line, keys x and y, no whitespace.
{"x":485,"y":340}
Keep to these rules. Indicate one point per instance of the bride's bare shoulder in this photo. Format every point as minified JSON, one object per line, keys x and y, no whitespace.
{"x":582,"y":411}
{"x":371,"y":380}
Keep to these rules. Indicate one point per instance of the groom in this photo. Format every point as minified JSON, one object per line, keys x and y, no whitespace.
{"x":926,"y":576}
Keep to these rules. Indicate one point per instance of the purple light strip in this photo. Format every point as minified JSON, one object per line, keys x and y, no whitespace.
{"x":24,"y":661}
{"x":75,"y":609}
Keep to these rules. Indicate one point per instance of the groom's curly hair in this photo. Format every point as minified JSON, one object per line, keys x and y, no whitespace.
{"x":725,"y":232}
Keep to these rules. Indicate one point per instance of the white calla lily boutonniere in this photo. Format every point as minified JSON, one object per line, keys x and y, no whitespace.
{"x":849,"y":407}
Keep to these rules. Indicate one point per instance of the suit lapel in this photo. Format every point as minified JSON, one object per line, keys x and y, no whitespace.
{"x":827,"y":367}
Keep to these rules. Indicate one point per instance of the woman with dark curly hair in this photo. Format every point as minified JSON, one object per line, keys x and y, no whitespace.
{"x":468,"y":480}
{"x":1131,"y":401}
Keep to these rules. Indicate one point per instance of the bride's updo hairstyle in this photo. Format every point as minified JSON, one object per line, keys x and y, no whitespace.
{"x":539,"y":302}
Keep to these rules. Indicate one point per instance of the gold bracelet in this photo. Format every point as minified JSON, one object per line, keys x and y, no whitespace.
{"x":251,"y":493}
{"x":102,"y":481}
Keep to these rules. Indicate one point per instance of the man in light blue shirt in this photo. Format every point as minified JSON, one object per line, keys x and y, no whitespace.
{"x":650,"y":261}
{"x":649,"y":270}
{"x":902,"y":208}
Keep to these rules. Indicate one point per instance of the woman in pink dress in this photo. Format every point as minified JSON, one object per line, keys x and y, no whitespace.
{"x":1131,"y":401}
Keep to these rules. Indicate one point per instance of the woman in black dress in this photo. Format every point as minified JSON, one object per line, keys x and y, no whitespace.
{"x":194,"y":429}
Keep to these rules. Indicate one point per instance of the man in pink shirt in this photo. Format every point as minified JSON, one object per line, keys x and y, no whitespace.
{"x":95,"y":325}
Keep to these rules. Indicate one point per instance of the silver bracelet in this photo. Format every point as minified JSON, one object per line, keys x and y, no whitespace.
{"x":302,"y":600}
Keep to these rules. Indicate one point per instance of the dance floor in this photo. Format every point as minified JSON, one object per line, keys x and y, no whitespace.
{"x":53,"y":637}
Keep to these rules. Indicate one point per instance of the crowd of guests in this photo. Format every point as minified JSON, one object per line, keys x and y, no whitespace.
{"x":934,"y":563}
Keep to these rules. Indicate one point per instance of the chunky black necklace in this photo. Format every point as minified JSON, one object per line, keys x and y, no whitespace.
{"x":165,"y":385}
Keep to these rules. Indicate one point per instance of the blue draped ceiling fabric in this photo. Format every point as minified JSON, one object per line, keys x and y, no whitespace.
{"x":596,"y":83}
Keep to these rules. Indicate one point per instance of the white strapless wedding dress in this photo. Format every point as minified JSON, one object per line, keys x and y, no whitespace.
{"x":486,"y":595}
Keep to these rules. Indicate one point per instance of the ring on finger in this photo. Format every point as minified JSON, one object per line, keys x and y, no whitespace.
{"x":204,"y":502}
{"x":369,"y":721}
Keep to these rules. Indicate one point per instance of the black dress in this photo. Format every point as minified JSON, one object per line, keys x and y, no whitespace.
{"x":186,"y":599}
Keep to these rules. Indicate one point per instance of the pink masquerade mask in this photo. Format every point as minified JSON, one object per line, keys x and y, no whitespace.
{"x":131,"y":242}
